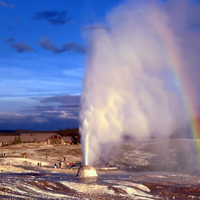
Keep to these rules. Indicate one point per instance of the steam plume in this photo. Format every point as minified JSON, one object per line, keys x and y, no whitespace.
{"x":129,"y":86}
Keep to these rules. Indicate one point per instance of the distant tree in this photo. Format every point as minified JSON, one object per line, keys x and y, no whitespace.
{"x":19,"y":139}
{"x":15,"y":140}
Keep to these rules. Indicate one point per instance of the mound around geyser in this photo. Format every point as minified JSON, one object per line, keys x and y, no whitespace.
{"x":86,"y":172}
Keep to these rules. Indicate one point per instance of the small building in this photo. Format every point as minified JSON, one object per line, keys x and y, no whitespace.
{"x":67,"y":140}
{"x":43,"y":138}
{"x":55,"y":140}
{"x":6,"y":140}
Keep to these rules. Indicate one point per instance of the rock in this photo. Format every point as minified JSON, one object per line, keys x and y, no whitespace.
{"x":86,"y":171}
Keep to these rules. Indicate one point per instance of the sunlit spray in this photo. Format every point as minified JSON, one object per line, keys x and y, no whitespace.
{"x":129,"y":86}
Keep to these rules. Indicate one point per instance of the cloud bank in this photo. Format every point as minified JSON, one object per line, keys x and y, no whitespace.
{"x":45,"y":43}
{"x":130,"y":87}
{"x":55,"y":17}
{"x":21,"y":47}
{"x":47,"y":113}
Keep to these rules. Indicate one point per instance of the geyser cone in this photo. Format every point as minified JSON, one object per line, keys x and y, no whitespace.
{"x":86,"y":172}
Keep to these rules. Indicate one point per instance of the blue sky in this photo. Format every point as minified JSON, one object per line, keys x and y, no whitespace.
{"x":29,"y":67}
{"x":42,"y":60}
{"x":43,"y":53}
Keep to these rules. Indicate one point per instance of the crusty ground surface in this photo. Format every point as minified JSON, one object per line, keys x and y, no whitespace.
{"x":13,"y":162}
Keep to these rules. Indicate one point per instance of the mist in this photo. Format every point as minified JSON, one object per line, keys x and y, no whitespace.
{"x":130,"y":87}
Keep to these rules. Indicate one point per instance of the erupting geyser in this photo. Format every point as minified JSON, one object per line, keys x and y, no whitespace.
{"x":133,"y":78}
{"x":86,"y":172}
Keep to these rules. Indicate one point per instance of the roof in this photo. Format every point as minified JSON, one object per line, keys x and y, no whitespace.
{"x":67,"y":138}
{"x":7,"y":139}
{"x":31,"y":137}
{"x":37,"y":137}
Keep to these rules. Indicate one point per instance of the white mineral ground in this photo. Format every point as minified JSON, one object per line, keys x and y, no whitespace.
{"x":37,"y":153}
{"x":168,"y":153}
{"x":152,"y":153}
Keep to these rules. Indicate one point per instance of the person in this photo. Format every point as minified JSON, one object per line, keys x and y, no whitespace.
{"x":55,"y":165}
{"x":38,"y":164}
{"x":107,"y":164}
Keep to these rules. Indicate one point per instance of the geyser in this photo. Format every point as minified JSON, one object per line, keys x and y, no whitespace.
{"x":130,"y":86}
{"x":86,"y":172}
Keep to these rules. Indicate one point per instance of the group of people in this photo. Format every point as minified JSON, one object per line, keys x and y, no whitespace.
{"x":62,"y":159}
{"x":24,"y":155}
{"x":107,"y":164}
{"x":39,"y":164}
{"x":3,"y":155}
{"x":59,"y":165}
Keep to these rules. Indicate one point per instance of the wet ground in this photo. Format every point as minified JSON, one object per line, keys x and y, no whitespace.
{"x":109,"y":185}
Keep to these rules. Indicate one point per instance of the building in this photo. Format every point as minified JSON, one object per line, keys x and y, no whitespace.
{"x":55,"y":140}
{"x":68,"y":140}
{"x":44,"y":138}
{"x":7,"y":140}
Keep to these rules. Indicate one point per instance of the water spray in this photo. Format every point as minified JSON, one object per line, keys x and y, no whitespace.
{"x":86,"y":171}
{"x":86,"y":149}
{"x":128,"y":81}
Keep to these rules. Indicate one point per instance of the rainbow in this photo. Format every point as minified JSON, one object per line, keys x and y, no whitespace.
{"x":185,"y":88}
